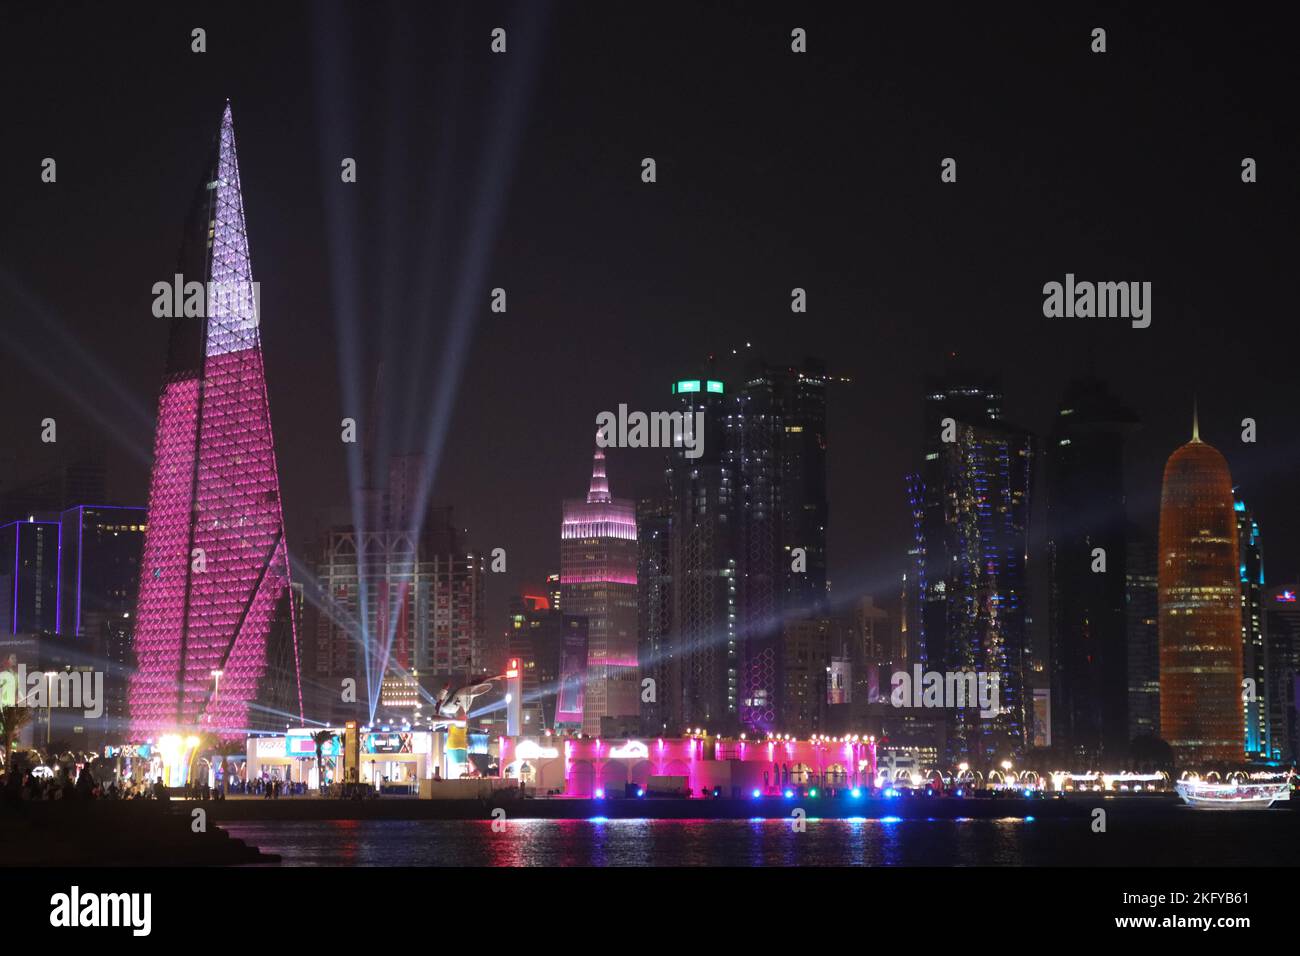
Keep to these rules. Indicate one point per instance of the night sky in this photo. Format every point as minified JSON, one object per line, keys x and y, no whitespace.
{"x":775,"y":170}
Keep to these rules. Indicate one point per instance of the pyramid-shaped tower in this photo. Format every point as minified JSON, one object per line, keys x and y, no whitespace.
{"x":214,"y":636}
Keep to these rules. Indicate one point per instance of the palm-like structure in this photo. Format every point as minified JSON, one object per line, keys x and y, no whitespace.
{"x":225,"y":749}
{"x":12,"y":721}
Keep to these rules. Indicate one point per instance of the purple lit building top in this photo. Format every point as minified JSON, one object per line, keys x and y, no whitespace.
{"x":598,"y":559}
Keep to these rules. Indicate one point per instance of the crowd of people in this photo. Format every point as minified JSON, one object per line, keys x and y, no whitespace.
{"x":62,"y":784}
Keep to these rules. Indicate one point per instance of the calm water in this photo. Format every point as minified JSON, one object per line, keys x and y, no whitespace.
{"x":1172,"y":836}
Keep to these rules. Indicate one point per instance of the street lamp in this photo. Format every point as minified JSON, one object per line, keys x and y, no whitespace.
{"x":49,"y":704}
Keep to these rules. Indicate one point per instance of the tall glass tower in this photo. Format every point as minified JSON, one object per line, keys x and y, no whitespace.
{"x":1250,"y":545}
{"x":1200,"y":609}
{"x":968,"y":592}
{"x":1087,"y":554}
{"x":214,"y":636}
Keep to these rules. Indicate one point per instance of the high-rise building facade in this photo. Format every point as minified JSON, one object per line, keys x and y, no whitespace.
{"x":537,"y":638}
{"x":1142,"y":617}
{"x":99,"y":582}
{"x":775,"y":449}
{"x":1086,"y":553}
{"x":598,"y":567}
{"x":806,"y":670}
{"x":214,"y":636}
{"x":746,"y":519}
{"x":1201,"y":713}
{"x":30,"y":562}
{"x":100,"y":575}
{"x":1250,"y":561}
{"x":705,"y":660}
{"x":1282,"y":640}
{"x":75,"y":481}
{"x":970,"y":504}
{"x":654,"y":607}
{"x":400,"y":613}
{"x":68,"y":586}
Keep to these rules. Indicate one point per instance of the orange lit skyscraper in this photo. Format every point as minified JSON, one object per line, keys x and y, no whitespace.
{"x":1200,"y":609}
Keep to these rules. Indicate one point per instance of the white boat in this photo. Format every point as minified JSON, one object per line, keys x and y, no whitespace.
{"x":1242,"y":795}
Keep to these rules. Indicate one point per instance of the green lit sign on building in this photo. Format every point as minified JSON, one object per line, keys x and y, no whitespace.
{"x":694,"y":385}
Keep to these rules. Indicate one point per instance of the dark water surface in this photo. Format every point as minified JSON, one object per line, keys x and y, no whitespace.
{"x":1166,"y":836}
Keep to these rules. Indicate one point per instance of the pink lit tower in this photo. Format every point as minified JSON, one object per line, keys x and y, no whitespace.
{"x":598,"y":581}
{"x":214,"y":638}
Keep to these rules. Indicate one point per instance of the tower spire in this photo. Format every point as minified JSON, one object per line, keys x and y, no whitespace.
{"x":214,"y":491}
{"x":599,"y":491}
{"x":1196,"y":423}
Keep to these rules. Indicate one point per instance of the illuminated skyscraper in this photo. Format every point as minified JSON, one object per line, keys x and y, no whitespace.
{"x":704,"y":656}
{"x":214,"y":638}
{"x":536,"y":638}
{"x":30,"y":555}
{"x":733,"y":514}
{"x":654,"y":607}
{"x":1142,"y":614}
{"x":1200,"y":609}
{"x":403,"y":615}
{"x":775,"y":452}
{"x":1250,"y":549}
{"x":98,"y":586}
{"x":598,"y":559}
{"x":1282,"y":639}
{"x":969,"y":588}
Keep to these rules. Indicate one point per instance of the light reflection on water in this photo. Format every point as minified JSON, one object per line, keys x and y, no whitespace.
{"x":1166,"y":839}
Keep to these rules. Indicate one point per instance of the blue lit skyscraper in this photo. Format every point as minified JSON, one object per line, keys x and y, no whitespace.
{"x":30,"y":556}
{"x":1250,"y":547}
{"x":100,"y":570}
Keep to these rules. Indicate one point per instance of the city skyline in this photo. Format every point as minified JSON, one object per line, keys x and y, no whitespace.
{"x":758,"y":445}
{"x":884,"y":327}
{"x":991,"y":575}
